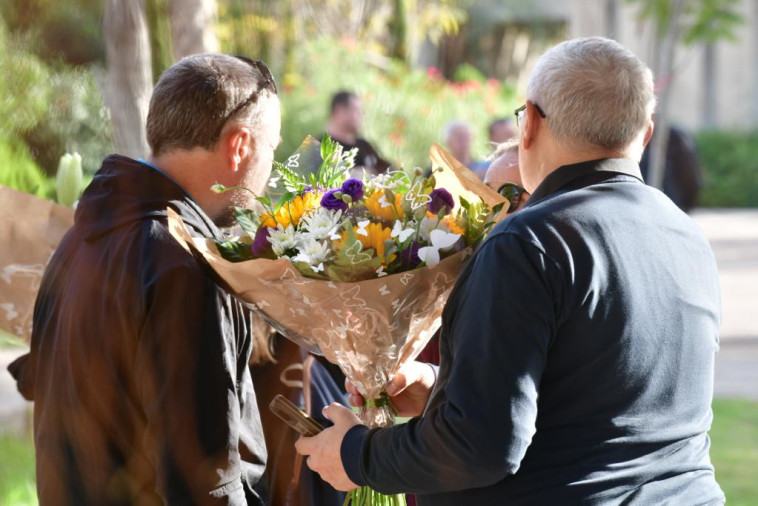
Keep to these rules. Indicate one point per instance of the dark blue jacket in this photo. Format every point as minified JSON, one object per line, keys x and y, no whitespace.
{"x":577,"y":359}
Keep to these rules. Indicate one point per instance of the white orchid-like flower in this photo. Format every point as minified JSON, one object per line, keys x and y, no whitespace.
{"x":426,"y":225}
{"x":399,"y":232}
{"x":441,"y":241}
{"x":283,"y":239}
{"x":312,"y":252}
{"x":322,"y":223}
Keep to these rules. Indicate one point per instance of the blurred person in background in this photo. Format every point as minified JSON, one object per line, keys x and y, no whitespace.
{"x":501,"y":130}
{"x":683,"y":175}
{"x":345,"y":123}
{"x":504,"y":176}
{"x":457,"y":137}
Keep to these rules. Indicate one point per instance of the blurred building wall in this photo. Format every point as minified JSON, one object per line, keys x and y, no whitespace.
{"x":730,"y":100}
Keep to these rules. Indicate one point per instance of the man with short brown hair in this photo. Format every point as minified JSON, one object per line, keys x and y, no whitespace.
{"x":139,"y":360}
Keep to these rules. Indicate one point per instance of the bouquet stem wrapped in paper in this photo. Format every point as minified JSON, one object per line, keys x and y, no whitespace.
{"x":370,"y":293}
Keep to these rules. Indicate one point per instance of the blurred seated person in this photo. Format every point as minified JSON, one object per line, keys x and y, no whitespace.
{"x":279,"y":366}
{"x":345,"y":122}
{"x":457,"y":136}
{"x":682,"y":176}
{"x":504,"y":177}
{"x":501,"y":130}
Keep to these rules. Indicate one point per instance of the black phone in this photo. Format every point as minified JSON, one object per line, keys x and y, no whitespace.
{"x":294,"y":416}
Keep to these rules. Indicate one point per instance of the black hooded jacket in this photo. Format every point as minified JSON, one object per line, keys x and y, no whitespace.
{"x":139,"y":361}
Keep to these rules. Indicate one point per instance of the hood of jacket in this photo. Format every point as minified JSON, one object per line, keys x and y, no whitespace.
{"x":125,"y":191}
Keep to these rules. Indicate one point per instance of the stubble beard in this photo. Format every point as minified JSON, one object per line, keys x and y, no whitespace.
{"x":240,"y":198}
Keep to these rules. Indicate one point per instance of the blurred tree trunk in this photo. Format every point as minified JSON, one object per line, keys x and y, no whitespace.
{"x":665,"y":75}
{"x":129,"y":82}
{"x":398,"y":30}
{"x":192,"y":27}
{"x":159,"y":27}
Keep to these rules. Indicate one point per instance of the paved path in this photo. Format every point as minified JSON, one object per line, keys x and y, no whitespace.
{"x":15,"y":412}
{"x":734,"y":238}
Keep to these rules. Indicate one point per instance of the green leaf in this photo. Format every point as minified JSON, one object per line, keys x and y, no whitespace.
{"x":285,"y":198}
{"x":465,"y":204}
{"x":234,"y":251}
{"x":499,"y":207}
{"x":307,"y":271}
{"x":266,"y":201}
{"x":246,"y":219}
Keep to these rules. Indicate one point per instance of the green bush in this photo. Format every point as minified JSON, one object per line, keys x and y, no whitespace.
{"x":730,"y":167}
{"x":54,"y":109}
{"x":18,"y":171}
{"x":76,"y":121}
{"x":405,"y":109}
{"x":23,"y":87}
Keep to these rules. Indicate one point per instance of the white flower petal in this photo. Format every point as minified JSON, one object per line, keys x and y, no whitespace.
{"x":441,"y":239}
{"x":429,"y":255}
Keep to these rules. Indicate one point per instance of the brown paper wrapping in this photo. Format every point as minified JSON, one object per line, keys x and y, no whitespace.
{"x":369,"y":328}
{"x":31,"y":229}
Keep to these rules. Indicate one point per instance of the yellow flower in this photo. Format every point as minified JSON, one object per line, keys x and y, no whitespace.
{"x":388,"y":212}
{"x":377,"y":234}
{"x":291,"y":212}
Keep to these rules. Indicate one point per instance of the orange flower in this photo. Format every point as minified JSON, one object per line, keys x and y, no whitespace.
{"x":451,"y":225}
{"x":291,"y":212}
{"x":383,"y":211}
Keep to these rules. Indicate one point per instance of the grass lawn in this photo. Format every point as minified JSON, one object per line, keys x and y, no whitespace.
{"x":17,"y":471}
{"x":734,"y":451}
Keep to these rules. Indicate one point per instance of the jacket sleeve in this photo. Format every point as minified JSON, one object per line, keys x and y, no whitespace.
{"x":499,"y":322}
{"x":185,"y":369}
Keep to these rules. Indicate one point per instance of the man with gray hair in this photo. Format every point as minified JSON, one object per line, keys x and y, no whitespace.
{"x":139,"y":360}
{"x":577,"y":348}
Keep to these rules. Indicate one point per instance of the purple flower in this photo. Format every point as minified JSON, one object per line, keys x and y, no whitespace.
{"x":409,"y":256}
{"x":440,"y":198}
{"x":261,"y":247}
{"x":354,"y":188}
{"x":333,"y":203}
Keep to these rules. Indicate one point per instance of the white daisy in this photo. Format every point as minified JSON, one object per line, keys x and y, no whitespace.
{"x":322,"y":223}
{"x":312,"y":252}
{"x":282,"y":239}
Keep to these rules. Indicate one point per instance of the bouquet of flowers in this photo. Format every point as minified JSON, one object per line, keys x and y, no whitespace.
{"x":355,"y":268}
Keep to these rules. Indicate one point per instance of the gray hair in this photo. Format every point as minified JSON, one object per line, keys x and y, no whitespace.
{"x":194,"y":98}
{"x":593,"y":91}
{"x":506,"y":147}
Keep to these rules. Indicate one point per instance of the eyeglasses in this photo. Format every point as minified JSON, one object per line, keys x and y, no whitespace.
{"x":520,"y":112}
{"x":267,"y":83}
{"x":513,"y":193}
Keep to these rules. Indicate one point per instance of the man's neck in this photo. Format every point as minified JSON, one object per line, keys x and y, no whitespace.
{"x":341,"y":134}
{"x":187,"y":169}
{"x":558,"y":158}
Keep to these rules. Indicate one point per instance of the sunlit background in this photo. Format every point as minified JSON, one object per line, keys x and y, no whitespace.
{"x":76,"y":77}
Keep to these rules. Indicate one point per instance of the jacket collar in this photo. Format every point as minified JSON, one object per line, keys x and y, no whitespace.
{"x":566,"y":174}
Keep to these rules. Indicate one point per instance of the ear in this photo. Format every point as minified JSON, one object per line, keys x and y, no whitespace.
{"x":531,"y":126}
{"x":648,"y":133}
{"x":238,"y":147}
